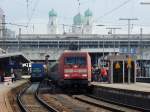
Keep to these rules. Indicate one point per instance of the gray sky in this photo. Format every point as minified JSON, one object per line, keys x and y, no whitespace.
{"x":105,"y":12}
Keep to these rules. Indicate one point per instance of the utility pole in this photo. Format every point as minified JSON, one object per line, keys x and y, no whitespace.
{"x":19,"y":37}
{"x":129,"y":49}
{"x":63,"y":29}
{"x":103,"y":43}
{"x":27,"y":5}
{"x":129,"y":28}
{"x":114,"y":34}
{"x":141,"y":50}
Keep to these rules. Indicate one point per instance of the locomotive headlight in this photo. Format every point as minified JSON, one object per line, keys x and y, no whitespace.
{"x":84,"y":75}
{"x":68,"y":70}
{"x":82,"y":71}
{"x":66,"y":75}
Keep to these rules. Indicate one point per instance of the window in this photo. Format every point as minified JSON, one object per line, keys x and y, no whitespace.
{"x":75,"y":61}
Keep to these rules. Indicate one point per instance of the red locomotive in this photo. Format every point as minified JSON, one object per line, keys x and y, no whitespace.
{"x":73,"y":68}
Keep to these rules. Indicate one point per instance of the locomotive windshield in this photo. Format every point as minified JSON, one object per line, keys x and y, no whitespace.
{"x":75,"y":61}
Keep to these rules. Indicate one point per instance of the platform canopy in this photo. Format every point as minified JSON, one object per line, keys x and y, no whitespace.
{"x":15,"y":56}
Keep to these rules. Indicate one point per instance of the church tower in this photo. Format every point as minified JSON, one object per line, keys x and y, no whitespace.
{"x":88,"y":22}
{"x":78,"y":21}
{"x":53,"y":22}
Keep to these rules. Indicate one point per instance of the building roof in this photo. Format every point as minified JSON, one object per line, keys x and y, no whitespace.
{"x":52,"y":13}
{"x":2,"y":51}
{"x":16,"y":55}
{"x":78,"y":19}
{"x":88,"y":13}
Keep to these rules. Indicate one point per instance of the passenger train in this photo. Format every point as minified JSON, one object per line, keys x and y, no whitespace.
{"x":72,"y":68}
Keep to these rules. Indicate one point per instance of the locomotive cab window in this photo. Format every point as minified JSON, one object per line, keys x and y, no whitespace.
{"x":75,"y":61}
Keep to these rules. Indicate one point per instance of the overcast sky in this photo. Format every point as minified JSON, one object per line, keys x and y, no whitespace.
{"x":106,"y":12}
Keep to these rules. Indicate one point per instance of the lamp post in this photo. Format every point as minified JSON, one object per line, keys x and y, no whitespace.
{"x":129,"y":49}
{"x":141,"y":50}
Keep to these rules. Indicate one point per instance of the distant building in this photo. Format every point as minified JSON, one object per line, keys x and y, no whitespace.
{"x":53,"y":22}
{"x":83,"y":24}
{"x":77,"y":26}
{"x":2,"y":20}
{"x":88,"y":22}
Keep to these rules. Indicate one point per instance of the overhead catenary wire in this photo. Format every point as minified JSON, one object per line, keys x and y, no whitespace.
{"x":79,"y":5}
{"x":113,"y":10}
{"x":87,"y":1}
{"x":33,"y":11}
{"x":15,"y":24}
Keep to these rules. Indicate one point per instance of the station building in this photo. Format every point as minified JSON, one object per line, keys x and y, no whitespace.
{"x":11,"y":63}
{"x":37,"y":46}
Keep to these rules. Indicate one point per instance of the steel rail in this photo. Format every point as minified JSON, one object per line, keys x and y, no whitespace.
{"x":42,"y":102}
{"x":50,"y":108}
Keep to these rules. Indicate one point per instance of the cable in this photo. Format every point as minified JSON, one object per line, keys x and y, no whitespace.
{"x":33,"y":10}
{"x":87,"y":1}
{"x":114,"y":9}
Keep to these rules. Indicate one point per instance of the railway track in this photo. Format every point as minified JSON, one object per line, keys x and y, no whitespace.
{"x":29,"y":101}
{"x":70,"y":101}
{"x":65,"y":103}
{"x":131,"y":107}
{"x":59,"y":101}
{"x":103,"y":104}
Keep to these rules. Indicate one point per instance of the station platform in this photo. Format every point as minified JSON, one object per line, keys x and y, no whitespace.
{"x":134,"y":94}
{"x":141,"y":87}
{"x":4,"y":89}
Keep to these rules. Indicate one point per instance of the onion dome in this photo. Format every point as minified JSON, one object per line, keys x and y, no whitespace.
{"x":88,"y":13}
{"x":78,"y":19}
{"x":52,"y":13}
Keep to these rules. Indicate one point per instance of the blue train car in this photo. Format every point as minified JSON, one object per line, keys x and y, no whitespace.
{"x":37,"y":72}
